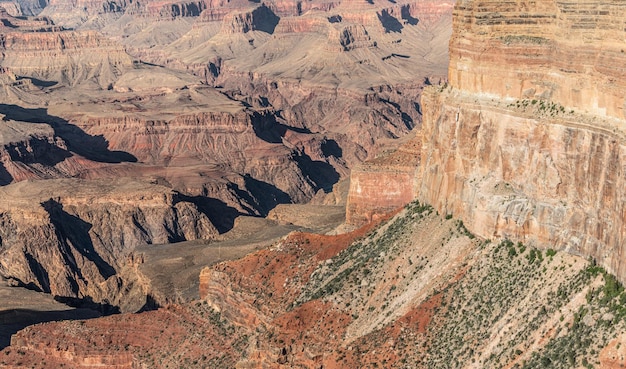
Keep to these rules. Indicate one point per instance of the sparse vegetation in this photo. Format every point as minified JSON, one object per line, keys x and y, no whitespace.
{"x":489,"y":304}
{"x":541,"y":107}
{"x":354,"y":264}
{"x":603,"y":314}
{"x":506,"y":290}
{"x":525,"y":39}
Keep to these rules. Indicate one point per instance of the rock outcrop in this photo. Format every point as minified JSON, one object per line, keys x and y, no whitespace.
{"x":69,"y":57}
{"x":350,"y":37}
{"x":553,"y":181}
{"x":76,"y":13}
{"x":383,"y":184}
{"x":529,"y":141}
{"x":30,"y":151}
{"x":355,"y":123}
{"x":216,"y":10}
{"x":420,"y":290}
{"x":74,"y":238}
{"x":11,"y":20}
{"x":256,"y":19}
{"x":571,"y":53}
{"x":23,"y":146}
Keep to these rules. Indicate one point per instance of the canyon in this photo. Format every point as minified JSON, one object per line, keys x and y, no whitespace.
{"x":287,"y":185}
{"x":414,"y":290}
{"x":103,"y":101}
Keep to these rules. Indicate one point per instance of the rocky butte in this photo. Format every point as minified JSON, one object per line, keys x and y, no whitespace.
{"x":527,"y":141}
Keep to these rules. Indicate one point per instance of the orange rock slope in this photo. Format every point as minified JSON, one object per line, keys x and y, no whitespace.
{"x":416,"y":291}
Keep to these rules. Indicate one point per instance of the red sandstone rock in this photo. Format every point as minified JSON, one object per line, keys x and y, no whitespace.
{"x":383,"y":184}
{"x":613,"y":356}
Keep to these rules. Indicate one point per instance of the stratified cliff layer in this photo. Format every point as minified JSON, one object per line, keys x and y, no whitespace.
{"x":383,"y":184}
{"x":553,"y":181}
{"x":75,"y":239}
{"x":528,"y":143}
{"x":203,"y":143}
{"x":52,"y":54}
{"x":569,"y":52}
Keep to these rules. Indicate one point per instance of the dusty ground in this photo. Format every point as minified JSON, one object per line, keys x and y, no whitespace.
{"x":173,"y":269}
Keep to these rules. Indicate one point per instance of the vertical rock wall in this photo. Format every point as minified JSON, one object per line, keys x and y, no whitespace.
{"x":554,"y":182}
{"x":571,"y":52}
{"x":384,"y":184}
{"x":529,"y":141}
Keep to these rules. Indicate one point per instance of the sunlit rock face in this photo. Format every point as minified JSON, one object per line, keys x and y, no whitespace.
{"x":572,"y":53}
{"x":528,"y":140}
{"x":75,"y":238}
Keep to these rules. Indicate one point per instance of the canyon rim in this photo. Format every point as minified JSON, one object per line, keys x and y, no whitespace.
{"x":320,"y":184}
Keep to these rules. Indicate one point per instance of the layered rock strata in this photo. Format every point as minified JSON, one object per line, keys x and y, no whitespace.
{"x":208,"y":10}
{"x":353,"y":121}
{"x":257,"y":19}
{"x":34,"y":151}
{"x":74,"y":238}
{"x":571,"y":53}
{"x":11,"y":19}
{"x":529,"y":141}
{"x":63,"y":56}
{"x":383,"y":184}
{"x":205,"y":139}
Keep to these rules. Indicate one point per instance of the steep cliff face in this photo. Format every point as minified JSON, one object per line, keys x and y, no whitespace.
{"x":256,"y":19}
{"x":571,"y":52}
{"x":63,"y":56}
{"x":383,"y":184}
{"x":529,"y":141}
{"x":23,"y":146}
{"x":282,"y":124}
{"x":37,"y":47}
{"x":34,"y":151}
{"x":554,"y":181}
{"x":76,"y":13}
